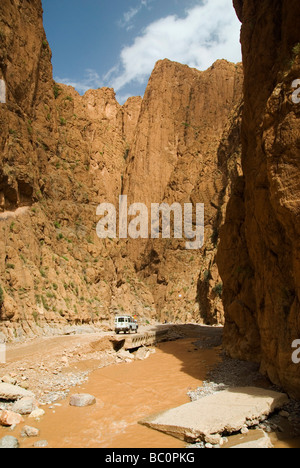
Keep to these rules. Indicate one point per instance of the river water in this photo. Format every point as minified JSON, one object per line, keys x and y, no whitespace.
{"x":127,"y":393}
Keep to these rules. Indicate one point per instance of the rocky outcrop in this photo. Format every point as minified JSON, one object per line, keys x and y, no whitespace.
{"x":210,"y":284}
{"x":174,"y":158}
{"x":62,"y":154}
{"x":208,"y":418}
{"x":26,"y":71}
{"x":259,"y":251}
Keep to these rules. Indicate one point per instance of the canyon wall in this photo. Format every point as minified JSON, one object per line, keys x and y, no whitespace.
{"x":174,"y":159}
{"x":258,"y":256}
{"x":62,"y":154}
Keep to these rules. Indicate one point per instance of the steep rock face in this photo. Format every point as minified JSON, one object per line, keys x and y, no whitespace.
{"x":259,"y":252}
{"x":60,"y":156}
{"x":95,"y":132}
{"x":174,"y":158}
{"x":210,"y":285}
{"x":25,"y":68}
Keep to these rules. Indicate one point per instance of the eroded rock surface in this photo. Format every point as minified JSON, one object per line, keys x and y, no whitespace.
{"x":62,"y":154}
{"x":224,"y":412}
{"x":259,"y":252}
{"x":174,"y":158}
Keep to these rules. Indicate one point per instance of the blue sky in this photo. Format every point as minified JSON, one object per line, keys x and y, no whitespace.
{"x":116,"y":43}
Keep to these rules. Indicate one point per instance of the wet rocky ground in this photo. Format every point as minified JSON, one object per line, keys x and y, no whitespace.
{"x":51,"y":368}
{"x":231,"y":373}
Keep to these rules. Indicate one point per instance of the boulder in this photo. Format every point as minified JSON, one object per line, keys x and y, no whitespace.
{"x":222,"y":412}
{"x":11,"y":392}
{"x":29,"y":431}
{"x":81,"y":400}
{"x":9,"y":442}
{"x":8,"y":379}
{"x":25,"y":406}
{"x":9,"y":418}
{"x":142,"y":354}
{"x":41,"y":444}
{"x":37,"y":413}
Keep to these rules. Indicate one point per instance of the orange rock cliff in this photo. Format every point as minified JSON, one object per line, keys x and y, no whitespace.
{"x":258,"y":256}
{"x":227,"y":137}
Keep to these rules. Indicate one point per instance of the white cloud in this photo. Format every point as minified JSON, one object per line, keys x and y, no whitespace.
{"x":130,"y":14}
{"x":91,"y":80}
{"x":207,"y":32}
{"x":126,"y":21}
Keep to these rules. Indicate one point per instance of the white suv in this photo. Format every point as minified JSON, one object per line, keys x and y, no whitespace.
{"x":125,"y":323}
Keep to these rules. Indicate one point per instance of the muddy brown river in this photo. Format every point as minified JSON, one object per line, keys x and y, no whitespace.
{"x":127,"y":393}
